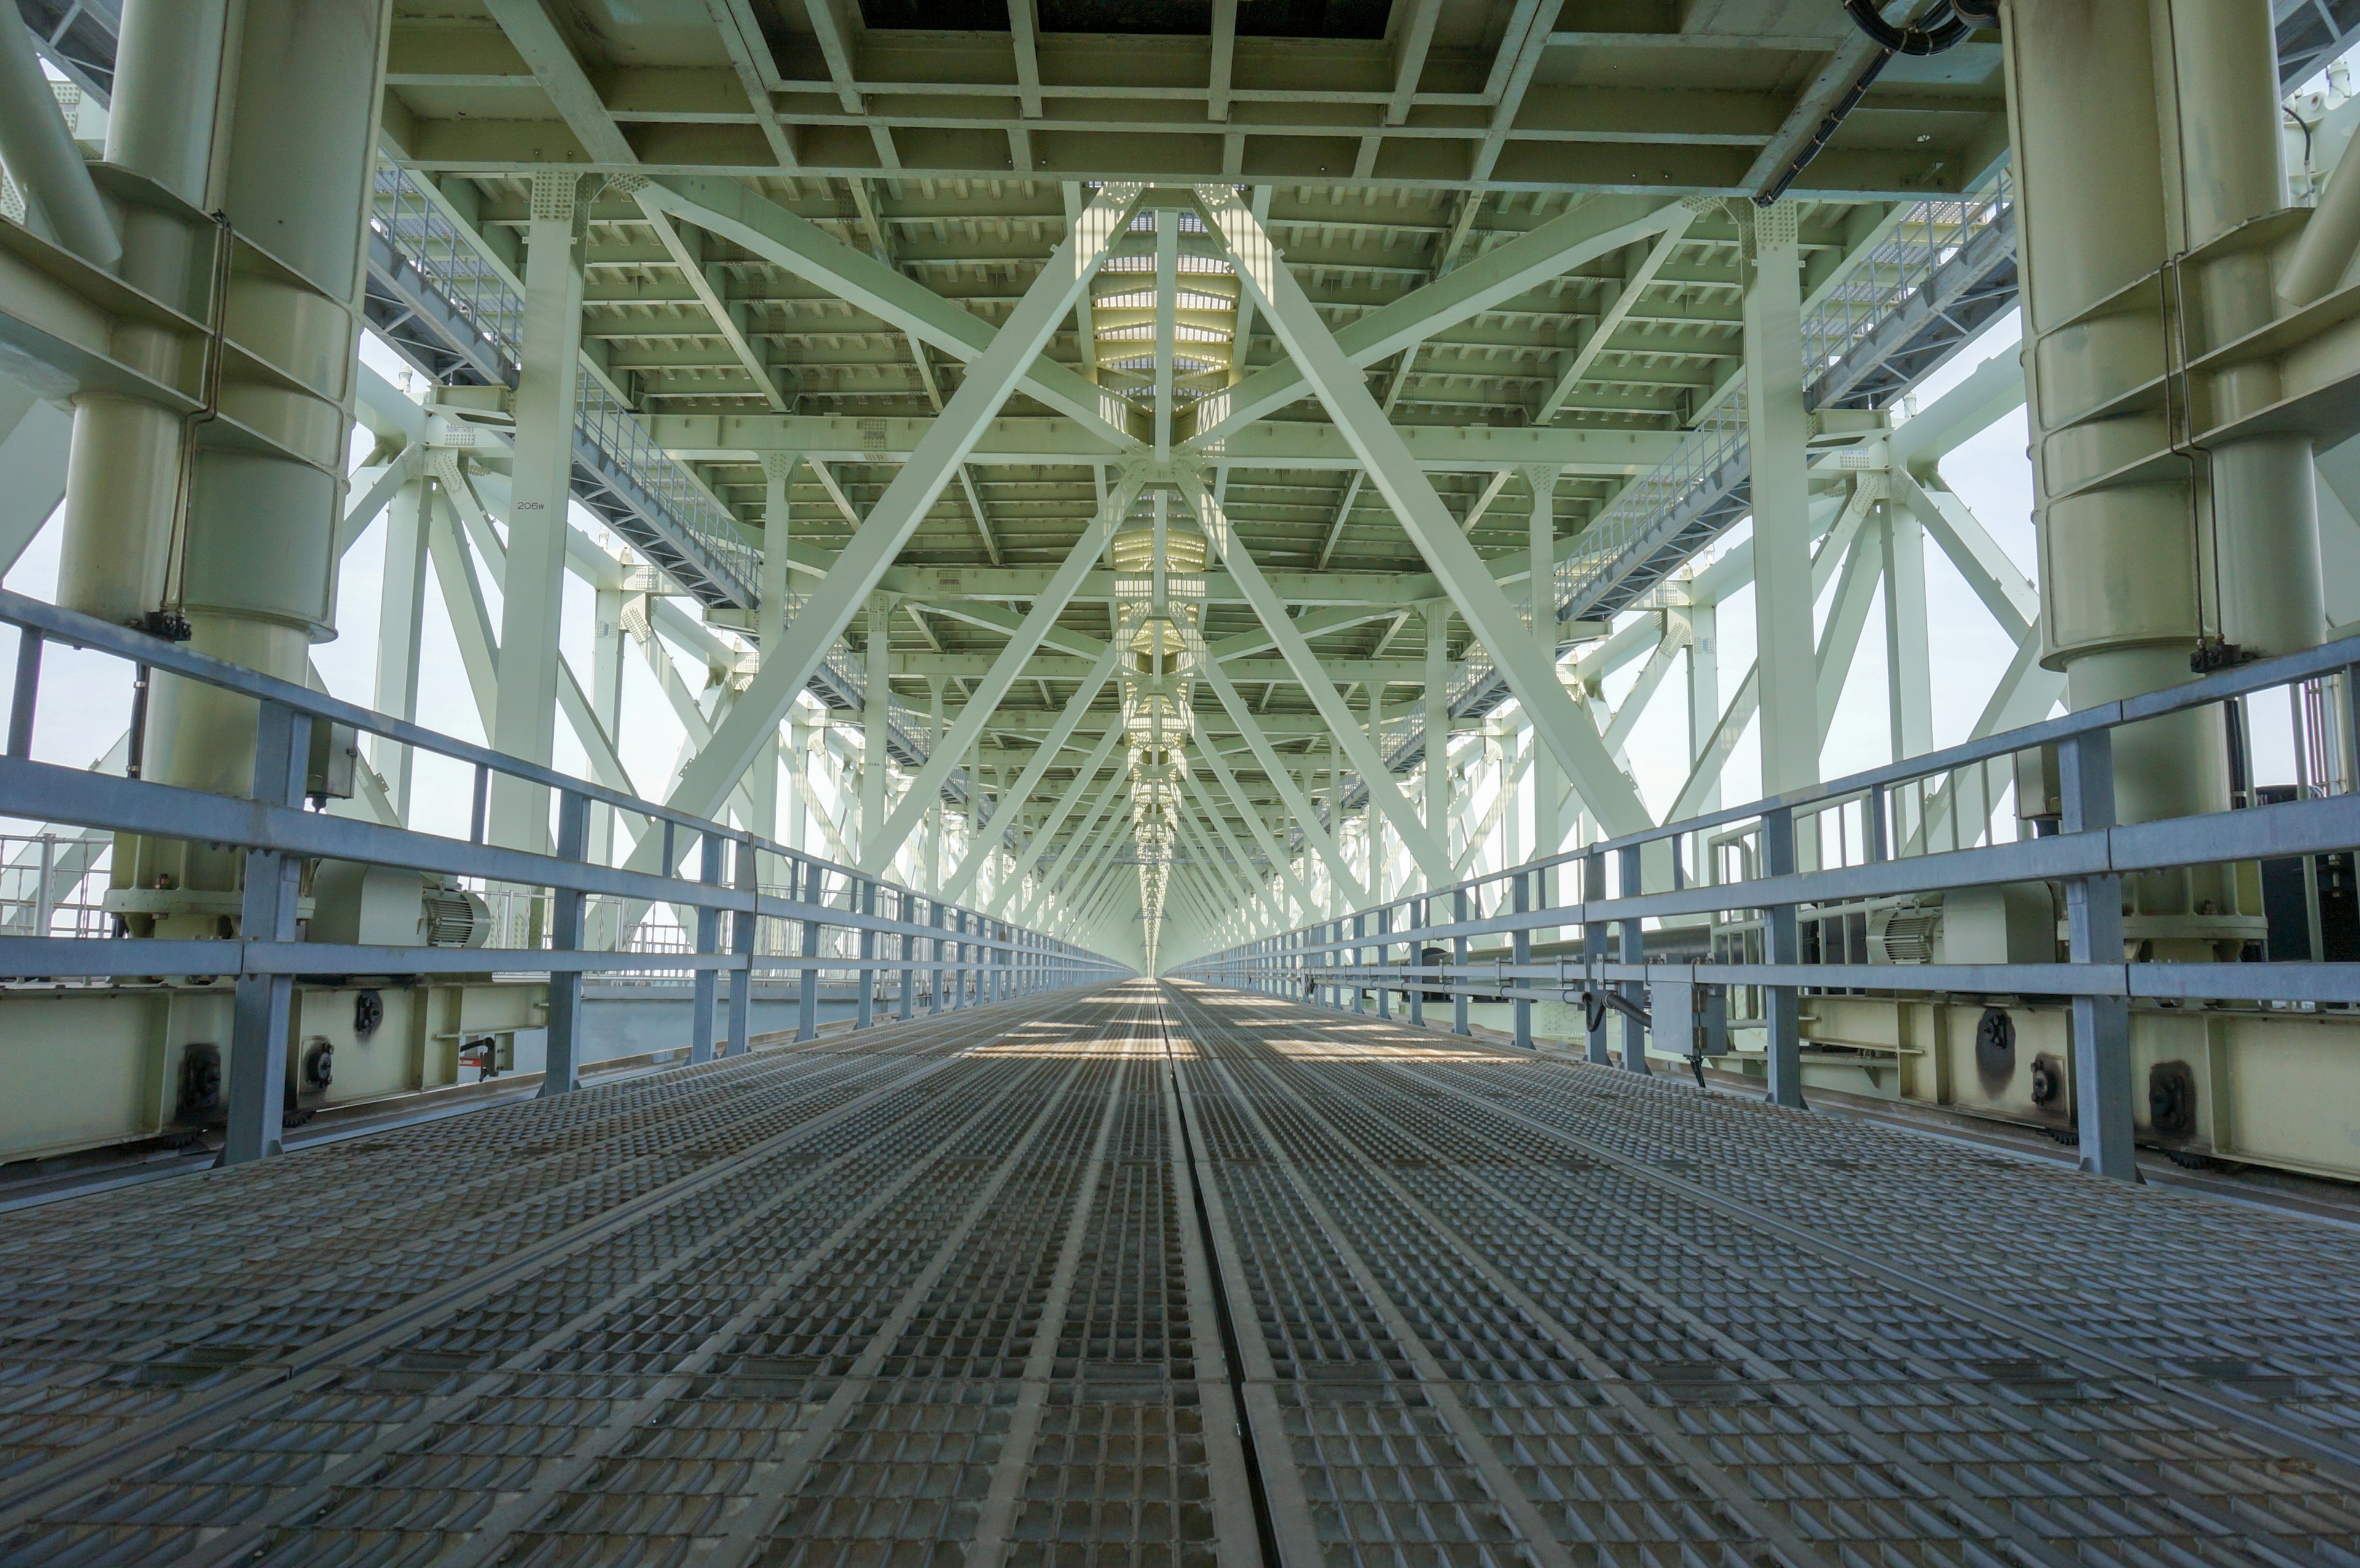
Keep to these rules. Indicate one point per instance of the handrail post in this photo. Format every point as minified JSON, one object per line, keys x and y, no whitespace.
{"x":708,"y":940}
{"x":1520,"y":953}
{"x":1385,"y":960}
{"x":28,"y":692}
{"x":743,"y":925}
{"x":905,"y":908}
{"x":865,"y":1013}
{"x":934,"y":975}
{"x":807,"y":987}
{"x":1337,"y":964}
{"x":2093,"y":921}
{"x":560,"y":1070}
{"x":45,"y":902}
{"x":1782,"y":1004}
{"x":1418,"y":910}
{"x":1593,"y":953}
{"x":959,"y":962}
{"x":1360,"y":962}
{"x":479,"y":807}
{"x":258,"y":1027}
{"x":1459,"y":951}
{"x":1634,"y":950}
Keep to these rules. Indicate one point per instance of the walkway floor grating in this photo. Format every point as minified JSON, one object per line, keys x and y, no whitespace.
{"x":1171,"y":1276}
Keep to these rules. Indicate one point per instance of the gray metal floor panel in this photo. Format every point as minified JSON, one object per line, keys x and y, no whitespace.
{"x":1166,"y":1278}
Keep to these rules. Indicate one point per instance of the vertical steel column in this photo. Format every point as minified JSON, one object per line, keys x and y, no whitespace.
{"x":561,"y":1057}
{"x":1704,"y":691}
{"x":1782,"y":1004}
{"x":1385,"y":960}
{"x":400,"y":622}
{"x":815,"y":881}
{"x":1908,"y":667}
{"x":1436,"y":698}
{"x":608,"y":643}
{"x":932,"y":852}
{"x":1593,"y":952}
{"x":2093,"y":921}
{"x":1459,"y":952}
{"x":1634,"y":950}
{"x":258,"y":1027}
{"x":770,"y":623}
{"x":1547,"y":776}
{"x":532,"y":591}
{"x":708,"y":940}
{"x":876,"y":707}
{"x":744,"y":925}
{"x":1520,"y":953}
{"x":1777,"y":426}
{"x":866,"y":1013}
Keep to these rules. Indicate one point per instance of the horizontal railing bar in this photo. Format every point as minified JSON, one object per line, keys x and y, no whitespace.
{"x":2295,"y":982}
{"x":56,"y":793}
{"x":65,"y":958}
{"x":101,"y":800}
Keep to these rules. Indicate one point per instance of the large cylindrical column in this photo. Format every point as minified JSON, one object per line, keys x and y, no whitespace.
{"x":123,"y":469}
{"x":2263,"y":491}
{"x":293,"y":164}
{"x":2119,"y":582}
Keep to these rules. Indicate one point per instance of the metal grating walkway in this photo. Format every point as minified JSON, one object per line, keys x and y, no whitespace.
{"x":1190,"y":1280}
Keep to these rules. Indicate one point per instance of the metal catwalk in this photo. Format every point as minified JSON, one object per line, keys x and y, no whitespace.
{"x":1181,"y":1280}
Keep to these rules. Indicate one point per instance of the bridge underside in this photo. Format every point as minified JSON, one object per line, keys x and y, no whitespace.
{"x":1163,"y":1274}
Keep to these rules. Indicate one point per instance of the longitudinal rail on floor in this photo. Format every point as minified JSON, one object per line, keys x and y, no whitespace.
{"x":1170,"y":1277}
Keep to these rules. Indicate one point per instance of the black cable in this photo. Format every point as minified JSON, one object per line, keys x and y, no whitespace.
{"x":1950,"y":23}
{"x":1945,"y":29}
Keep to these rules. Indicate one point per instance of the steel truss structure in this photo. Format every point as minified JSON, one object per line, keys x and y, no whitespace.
{"x":1102,"y":487}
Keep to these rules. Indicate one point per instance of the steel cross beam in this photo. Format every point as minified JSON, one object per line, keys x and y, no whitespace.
{"x":1384,"y":795}
{"x":1011,"y":799}
{"x":1342,"y":389}
{"x":1598,"y":226}
{"x":878,"y":540}
{"x":1219,"y":869}
{"x":1046,"y":834}
{"x":1005,"y":671}
{"x":1087,"y":883}
{"x":1632,"y":284}
{"x":1269,"y":846}
{"x":1731,"y":727}
{"x":1081,"y":835}
{"x":1643,"y":691}
{"x":1221,"y":820}
{"x":726,"y":207}
{"x":1317,"y":836}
